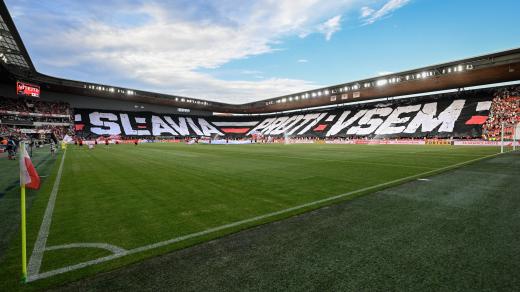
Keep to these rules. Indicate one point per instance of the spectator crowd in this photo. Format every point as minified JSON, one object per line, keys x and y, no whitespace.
{"x":505,"y":109}
{"x":17,"y":119}
{"x":22,"y":105}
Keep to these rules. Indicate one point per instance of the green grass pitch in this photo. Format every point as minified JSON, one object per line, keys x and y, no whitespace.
{"x":132,"y":197}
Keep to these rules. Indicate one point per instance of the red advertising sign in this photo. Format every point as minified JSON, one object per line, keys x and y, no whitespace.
{"x":26,"y":89}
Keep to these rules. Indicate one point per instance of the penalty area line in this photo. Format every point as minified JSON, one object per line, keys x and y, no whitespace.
{"x":55,"y":272}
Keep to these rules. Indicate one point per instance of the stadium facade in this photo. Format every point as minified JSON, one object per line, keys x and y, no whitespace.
{"x":428,"y":102}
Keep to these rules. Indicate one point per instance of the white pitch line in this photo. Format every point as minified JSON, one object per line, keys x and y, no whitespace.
{"x":35,"y":261}
{"x":110,"y":247}
{"x":51,"y":273}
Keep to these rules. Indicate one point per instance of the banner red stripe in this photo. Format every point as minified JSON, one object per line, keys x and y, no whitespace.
{"x":320,"y":128}
{"x":477,"y":120}
{"x":235,"y":130}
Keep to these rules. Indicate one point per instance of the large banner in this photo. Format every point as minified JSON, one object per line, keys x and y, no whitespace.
{"x":426,"y":117}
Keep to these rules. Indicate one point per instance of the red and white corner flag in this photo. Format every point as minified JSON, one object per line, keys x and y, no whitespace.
{"x":30,"y":179}
{"x":28,"y":175}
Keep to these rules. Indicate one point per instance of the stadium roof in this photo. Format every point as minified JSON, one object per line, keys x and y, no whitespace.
{"x":12,"y":51}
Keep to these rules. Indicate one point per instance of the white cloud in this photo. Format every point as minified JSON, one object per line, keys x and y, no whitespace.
{"x":302,"y":61}
{"x":366,"y":11}
{"x":371,"y":15}
{"x":172,"y":49}
{"x":330,"y":26}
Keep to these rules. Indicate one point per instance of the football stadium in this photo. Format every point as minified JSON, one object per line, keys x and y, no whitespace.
{"x":405,"y":180}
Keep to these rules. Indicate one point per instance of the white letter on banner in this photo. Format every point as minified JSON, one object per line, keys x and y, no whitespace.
{"x":182,"y":127}
{"x":286,"y":125}
{"x":96,"y":120}
{"x":428,"y":122}
{"x":279,"y":121}
{"x":306,"y":119}
{"x":261,"y":126}
{"x":389,"y":126}
{"x":368,"y":120}
{"x":340,"y":125}
{"x":159,"y":126}
{"x":317,"y":118}
{"x":194,"y":127}
{"x":125,"y":121}
{"x":207,"y":128}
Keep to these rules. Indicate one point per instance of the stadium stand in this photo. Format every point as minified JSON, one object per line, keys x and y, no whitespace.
{"x":24,"y":118}
{"x":442,"y":116}
{"x":473,"y":114}
{"x":23,"y":105}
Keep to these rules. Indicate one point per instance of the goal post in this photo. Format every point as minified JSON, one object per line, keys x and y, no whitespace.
{"x":516,"y":135}
{"x":509,"y":136}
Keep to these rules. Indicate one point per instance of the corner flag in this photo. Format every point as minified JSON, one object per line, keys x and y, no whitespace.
{"x":28,"y":178}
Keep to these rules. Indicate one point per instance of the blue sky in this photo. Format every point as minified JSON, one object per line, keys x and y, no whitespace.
{"x":239,"y":51}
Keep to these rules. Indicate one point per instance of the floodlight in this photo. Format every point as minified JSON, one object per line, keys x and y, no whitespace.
{"x":381,"y":82}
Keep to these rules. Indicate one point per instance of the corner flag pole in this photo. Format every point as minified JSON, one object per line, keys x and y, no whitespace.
{"x":22,"y":206}
{"x":24,"y":239}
